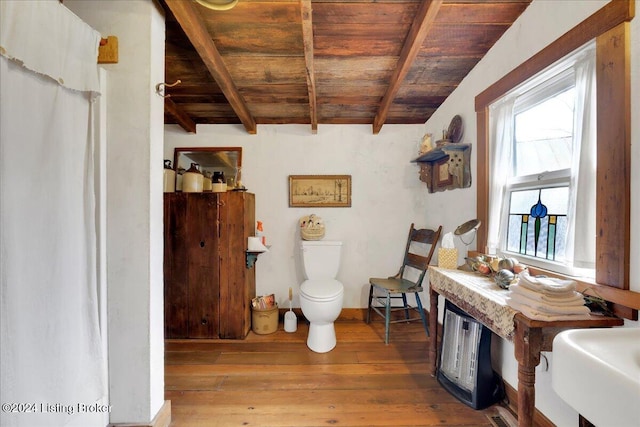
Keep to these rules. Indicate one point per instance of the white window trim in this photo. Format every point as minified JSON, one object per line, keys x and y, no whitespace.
{"x":523,"y":97}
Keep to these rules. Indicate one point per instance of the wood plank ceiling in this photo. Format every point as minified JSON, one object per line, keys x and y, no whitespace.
{"x":324,"y":61}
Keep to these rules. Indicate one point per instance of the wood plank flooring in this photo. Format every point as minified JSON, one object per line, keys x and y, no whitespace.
{"x":275,"y":380}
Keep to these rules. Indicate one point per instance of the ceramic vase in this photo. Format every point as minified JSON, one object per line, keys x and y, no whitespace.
{"x":192,"y":180}
{"x":169,"y":177}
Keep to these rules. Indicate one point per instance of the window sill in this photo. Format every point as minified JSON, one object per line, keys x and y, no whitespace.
{"x":626,"y":298}
{"x":583,"y":274}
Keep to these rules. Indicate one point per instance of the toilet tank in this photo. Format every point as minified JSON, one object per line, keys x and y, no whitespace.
{"x":321,"y":258}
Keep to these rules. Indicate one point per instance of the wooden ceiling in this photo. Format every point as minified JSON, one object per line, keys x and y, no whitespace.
{"x":324,"y":61}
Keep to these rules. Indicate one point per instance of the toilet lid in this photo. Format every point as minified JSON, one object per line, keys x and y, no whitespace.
{"x":321,"y":289}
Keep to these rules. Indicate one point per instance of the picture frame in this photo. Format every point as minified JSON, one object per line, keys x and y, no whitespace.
{"x":320,"y":191}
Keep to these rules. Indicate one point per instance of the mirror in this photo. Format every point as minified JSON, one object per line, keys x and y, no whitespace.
{"x":467,"y":227}
{"x":472,"y":224}
{"x":212,"y":159}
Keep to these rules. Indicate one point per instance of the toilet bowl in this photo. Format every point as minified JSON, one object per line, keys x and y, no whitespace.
{"x":321,"y":296}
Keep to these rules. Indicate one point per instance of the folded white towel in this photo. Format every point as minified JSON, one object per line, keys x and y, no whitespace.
{"x":550,"y":308}
{"x":534,"y":314}
{"x":572,"y":297}
{"x":546,"y":285}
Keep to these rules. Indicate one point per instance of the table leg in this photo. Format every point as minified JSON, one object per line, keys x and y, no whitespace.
{"x":433,"y":325}
{"x":528,"y":343}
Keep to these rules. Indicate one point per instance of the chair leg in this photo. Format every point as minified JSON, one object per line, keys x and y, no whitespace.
{"x":424,"y":318}
{"x":406,"y":306}
{"x":369,"y":305}
{"x":387,"y":318}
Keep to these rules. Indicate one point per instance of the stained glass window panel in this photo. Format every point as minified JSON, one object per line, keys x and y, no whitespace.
{"x":553,"y":227}
{"x":555,"y":199}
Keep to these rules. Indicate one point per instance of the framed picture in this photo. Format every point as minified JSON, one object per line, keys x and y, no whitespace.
{"x":321,"y":191}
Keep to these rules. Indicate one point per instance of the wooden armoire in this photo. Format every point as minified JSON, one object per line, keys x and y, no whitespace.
{"x":207,"y":285}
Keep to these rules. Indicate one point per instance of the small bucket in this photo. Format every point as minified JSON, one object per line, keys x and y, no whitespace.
{"x":264,"y":321}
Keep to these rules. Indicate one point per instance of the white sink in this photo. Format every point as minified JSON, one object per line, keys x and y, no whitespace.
{"x":597,"y":372}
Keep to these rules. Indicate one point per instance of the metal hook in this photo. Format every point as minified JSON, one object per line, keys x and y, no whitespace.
{"x":161,"y":86}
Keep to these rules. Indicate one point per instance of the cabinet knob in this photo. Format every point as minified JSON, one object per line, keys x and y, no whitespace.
{"x":202,"y":244}
{"x":204,"y":321}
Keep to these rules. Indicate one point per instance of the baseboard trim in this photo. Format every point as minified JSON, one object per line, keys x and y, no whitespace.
{"x":539,"y":420}
{"x":162,"y":418}
{"x":346,"y":314}
{"x":353,"y":314}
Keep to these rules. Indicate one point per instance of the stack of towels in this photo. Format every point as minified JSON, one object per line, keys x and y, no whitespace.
{"x":545,"y":298}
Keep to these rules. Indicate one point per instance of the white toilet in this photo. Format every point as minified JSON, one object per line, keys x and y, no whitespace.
{"x":321,"y":294}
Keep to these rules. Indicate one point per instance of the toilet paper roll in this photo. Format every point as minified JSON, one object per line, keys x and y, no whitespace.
{"x":254,"y":244}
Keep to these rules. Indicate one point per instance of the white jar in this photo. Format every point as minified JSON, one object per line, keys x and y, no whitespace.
{"x":206,"y":186}
{"x":169,"y":177}
{"x":192,"y":180}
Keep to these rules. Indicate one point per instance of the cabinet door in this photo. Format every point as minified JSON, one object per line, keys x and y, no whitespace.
{"x":203,"y":265}
{"x":237,"y":282}
{"x":176,"y":274}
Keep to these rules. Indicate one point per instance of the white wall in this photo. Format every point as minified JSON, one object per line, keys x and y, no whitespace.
{"x":387,"y":196}
{"x":541,"y":23}
{"x":134,"y":204}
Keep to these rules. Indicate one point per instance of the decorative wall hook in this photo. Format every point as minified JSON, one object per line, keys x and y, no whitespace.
{"x":160,"y":87}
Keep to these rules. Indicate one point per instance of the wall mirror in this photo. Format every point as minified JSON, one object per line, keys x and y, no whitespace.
{"x":211,"y":159}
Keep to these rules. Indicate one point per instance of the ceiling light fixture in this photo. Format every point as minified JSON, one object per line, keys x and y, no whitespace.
{"x":218,"y":4}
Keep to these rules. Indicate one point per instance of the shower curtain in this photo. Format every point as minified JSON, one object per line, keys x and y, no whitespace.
{"x":50,"y":347}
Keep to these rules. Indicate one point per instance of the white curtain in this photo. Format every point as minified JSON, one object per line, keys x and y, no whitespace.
{"x":580,"y":245}
{"x":580,"y":248}
{"x":500,"y":147}
{"x":50,"y":348}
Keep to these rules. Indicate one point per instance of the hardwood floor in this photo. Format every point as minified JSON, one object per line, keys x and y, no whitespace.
{"x":275,"y":380}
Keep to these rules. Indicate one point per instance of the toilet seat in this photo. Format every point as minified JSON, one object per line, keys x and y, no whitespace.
{"x":321,"y":290}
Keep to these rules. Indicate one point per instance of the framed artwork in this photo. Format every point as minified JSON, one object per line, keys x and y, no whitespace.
{"x":320,"y":191}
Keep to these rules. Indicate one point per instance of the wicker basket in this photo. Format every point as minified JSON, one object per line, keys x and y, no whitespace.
{"x":311,"y":227}
{"x":312,"y":233}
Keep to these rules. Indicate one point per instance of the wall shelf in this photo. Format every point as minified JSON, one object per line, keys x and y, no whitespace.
{"x":252,"y":257}
{"x":446,"y":167}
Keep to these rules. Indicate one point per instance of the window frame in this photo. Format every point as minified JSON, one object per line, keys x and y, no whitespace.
{"x":610,"y":27}
{"x":559,"y":78}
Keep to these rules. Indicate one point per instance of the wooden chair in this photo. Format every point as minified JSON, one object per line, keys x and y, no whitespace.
{"x":382,"y":291}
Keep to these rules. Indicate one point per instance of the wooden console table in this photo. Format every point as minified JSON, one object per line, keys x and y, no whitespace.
{"x":484,"y":300}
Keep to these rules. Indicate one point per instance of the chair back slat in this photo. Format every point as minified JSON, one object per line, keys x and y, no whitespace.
{"x":416,"y":261}
{"x":425,"y":235}
{"x":420,"y":262}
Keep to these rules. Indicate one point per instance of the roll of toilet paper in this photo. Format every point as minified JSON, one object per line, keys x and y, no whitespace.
{"x":254,"y":244}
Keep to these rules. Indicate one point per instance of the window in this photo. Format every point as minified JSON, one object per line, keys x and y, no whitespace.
{"x":610,"y":28}
{"x":541,"y":148}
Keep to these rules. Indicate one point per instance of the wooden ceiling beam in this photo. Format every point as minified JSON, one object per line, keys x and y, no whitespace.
{"x":193,"y":26}
{"x":307,"y":40}
{"x":422,"y":23}
{"x":181,"y":117}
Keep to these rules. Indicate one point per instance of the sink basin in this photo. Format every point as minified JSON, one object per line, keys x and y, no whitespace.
{"x":597,"y":372}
